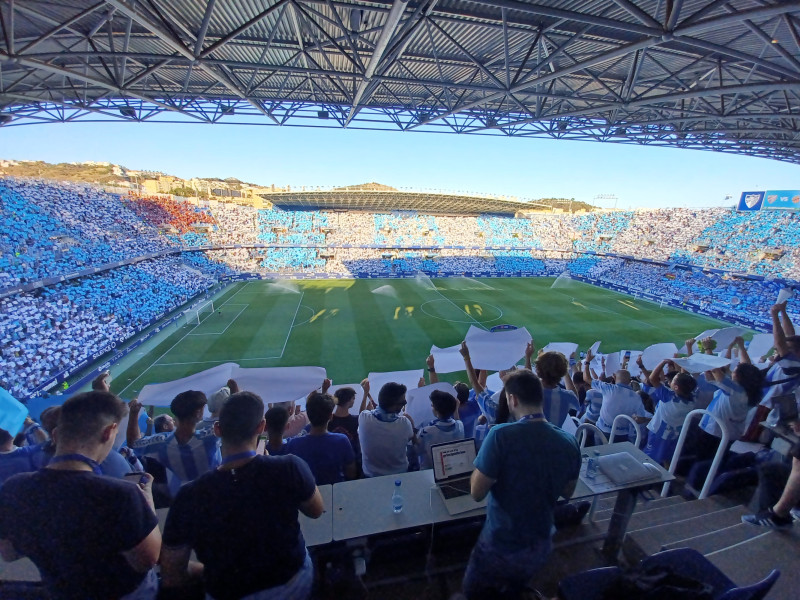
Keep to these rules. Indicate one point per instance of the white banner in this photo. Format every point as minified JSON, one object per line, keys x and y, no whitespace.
{"x":496,"y":351}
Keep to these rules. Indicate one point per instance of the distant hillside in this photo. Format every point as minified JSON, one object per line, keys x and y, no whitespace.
{"x":103,"y":173}
{"x":366,"y":187}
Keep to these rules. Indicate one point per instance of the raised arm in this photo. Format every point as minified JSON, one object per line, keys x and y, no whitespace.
{"x":744,"y":357}
{"x":779,"y":330}
{"x":657,"y":374}
{"x":587,"y":371}
{"x":432,"y":369}
{"x":365,"y":388}
{"x":689,"y":346}
{"x":529,"y":350}
{"x":473,"y":379}
{"x":133,"y":432}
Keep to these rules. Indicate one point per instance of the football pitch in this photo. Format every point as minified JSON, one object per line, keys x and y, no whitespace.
{"x":353,"y":327}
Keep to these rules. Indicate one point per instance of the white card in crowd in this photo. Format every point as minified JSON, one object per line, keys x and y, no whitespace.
{"x":595,"y":347}
{"x":724,"y":337}
{"x":279,"y":384}
{"x":419,"y":401}
{"x":784,"y":295}
{"x":654,"y":354}
{"x":208,"y":382}
{"x":496,"y":351}
{"x":613,"y":364}
{"x":701,"y":336}
{"x":633,"y":368}
{"x":566,"y":348}
{"x":447,"y":360}
{"x":760,"y":346}
{"x":410,"y":379}
{"x":697,"y":363}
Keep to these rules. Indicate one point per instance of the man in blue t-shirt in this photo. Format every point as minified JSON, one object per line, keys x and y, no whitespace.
{"x":329,"y":455}
{"x":523,"y":467}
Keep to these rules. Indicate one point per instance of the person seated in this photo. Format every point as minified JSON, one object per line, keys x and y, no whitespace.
{"x":258,"y":498}
{"x":276,"y":418}
{"x":384,"y":433}
{"x":91,"y":537}
{"x":185,"y":452}
{"x":783,"y":513}
{"x":329,"y":455}
{"x":444,"y":428}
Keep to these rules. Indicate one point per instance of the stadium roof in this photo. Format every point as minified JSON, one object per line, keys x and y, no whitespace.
{"x":388,"y":200}
{"x":710,"y":74}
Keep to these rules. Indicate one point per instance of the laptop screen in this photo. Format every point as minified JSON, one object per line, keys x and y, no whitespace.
{"x":453,"y":459}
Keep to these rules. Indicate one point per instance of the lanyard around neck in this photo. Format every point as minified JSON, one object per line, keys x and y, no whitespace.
{"x":238,"y":456}
{"x":93,"y":464}
{"x":535,"y":417}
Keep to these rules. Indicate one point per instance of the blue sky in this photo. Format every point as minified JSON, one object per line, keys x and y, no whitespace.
{"x":526,"y":168}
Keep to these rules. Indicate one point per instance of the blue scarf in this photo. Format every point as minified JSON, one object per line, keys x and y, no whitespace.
{"x":384,"y":416}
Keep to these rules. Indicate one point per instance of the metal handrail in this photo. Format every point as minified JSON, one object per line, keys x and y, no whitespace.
{"x":723,"y":446}
{"x":635,"y":428}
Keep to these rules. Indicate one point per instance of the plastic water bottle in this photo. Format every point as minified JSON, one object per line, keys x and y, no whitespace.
{"x":591,"y":468}
{"x":774,"y":416}
{"x":397,"y":497}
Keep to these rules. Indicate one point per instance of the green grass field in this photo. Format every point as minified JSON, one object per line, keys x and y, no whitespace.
{"x":352,"y":327}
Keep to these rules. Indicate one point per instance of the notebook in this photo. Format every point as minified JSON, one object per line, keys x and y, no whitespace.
{"x":452,"y":468}
{"x":622,"y":468}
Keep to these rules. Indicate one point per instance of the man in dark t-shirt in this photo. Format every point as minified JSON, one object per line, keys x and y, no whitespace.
{"x":241,"y":519}
{"x":92,"y":537}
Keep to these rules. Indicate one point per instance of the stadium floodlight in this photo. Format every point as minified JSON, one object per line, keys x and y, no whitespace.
{"x":323,"y":114}
{"x":128,"y":111}
{"x":228,"y":110}
{"x":5,"y":118}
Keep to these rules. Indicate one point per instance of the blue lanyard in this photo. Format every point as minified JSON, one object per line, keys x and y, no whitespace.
{"x":239,"y":456}
{"x":78,"y":458}
{"x":533,"y":417}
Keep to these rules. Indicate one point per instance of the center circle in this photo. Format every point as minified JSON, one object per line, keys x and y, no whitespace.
{"x":455,"y":310}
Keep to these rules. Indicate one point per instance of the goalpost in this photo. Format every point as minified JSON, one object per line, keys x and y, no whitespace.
{"x":195,"y":316}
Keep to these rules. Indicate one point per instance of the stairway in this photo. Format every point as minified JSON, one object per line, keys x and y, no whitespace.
{"x":714,"y":527}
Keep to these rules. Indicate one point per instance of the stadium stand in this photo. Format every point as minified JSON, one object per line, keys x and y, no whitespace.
{"x":710,"y":260}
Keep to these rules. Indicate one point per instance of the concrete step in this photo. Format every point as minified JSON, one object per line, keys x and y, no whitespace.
{"x":642,"y":506}
{"x":644,"y":541}
{"x":714,"y":541}
{"x":750,"y":561}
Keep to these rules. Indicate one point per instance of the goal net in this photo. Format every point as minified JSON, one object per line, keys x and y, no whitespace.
{"x":195,"y":316}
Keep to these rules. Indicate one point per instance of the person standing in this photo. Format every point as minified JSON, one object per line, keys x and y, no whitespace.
{"x":523,"y":467}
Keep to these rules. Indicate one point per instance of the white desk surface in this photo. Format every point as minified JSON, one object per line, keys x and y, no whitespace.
{"x":583,"y":491}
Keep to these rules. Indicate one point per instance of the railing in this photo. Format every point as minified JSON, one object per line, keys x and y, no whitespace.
{"x":633,"y":424}
{"x":723,"y":447}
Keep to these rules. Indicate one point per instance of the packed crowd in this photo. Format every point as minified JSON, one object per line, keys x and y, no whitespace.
{"x":49,"y":230}
{"x":252,"y":468}
{"x":57,"y":327}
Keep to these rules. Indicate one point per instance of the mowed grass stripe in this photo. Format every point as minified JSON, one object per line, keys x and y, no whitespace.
{"x":348,"y":328}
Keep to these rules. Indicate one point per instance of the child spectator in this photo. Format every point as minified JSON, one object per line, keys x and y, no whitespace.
{"x":276,"y":418}
{"x":329,"y":455}
{"x":444,"y":428}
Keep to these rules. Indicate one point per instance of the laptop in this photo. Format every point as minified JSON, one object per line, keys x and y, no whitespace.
{"x":622,"y":468}
{"x":452,"y":468}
